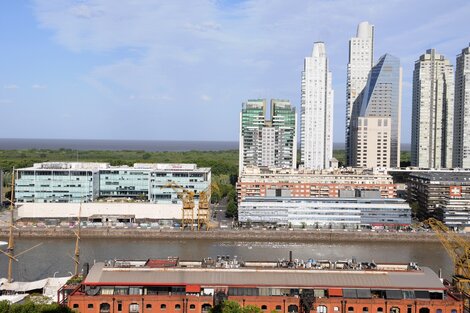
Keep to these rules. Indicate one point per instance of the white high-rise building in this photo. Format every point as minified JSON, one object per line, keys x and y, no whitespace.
{"x":432,"y":124}
{"x":462,"y":110}
{"x":361,"y":60}
{"x":316,"y":110}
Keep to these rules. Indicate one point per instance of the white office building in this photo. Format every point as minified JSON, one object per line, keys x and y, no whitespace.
{"x":316,"y":110}
{"x":433,"y":112}
{"x":462,"y":110}
{"x":361,"y":60}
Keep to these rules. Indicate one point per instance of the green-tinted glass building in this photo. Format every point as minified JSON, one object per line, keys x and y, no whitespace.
{"x":268,"y":143}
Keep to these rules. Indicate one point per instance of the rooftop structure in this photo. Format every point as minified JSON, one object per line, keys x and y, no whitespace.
{"x":287,"y":285}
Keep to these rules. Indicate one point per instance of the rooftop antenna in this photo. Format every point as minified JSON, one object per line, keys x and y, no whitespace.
{"x":9,"y":252}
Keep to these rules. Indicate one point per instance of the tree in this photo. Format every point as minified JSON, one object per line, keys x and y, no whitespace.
{"x":234,"y":307}
{"x":31,"y":307}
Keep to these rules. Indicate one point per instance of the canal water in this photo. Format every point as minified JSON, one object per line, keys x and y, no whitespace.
{"x":54,"y":256}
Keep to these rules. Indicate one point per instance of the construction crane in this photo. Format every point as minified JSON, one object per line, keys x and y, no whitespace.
{"x":204,"y":210}
{"x":459,"y":250}
{"x":187,"y":211}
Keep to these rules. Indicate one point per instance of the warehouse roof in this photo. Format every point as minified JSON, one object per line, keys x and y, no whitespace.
{"x":423,"y":279}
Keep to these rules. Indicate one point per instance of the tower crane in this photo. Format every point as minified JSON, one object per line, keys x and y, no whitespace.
{"x":459,"y":251}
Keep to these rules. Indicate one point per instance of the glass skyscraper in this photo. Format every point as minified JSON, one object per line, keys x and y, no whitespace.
{"x":376,"y":119}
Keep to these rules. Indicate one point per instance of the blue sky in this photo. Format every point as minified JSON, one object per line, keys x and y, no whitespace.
{"x":179,"y":70}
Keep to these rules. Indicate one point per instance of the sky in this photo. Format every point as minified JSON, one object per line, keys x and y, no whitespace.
{"x":180,"y":70}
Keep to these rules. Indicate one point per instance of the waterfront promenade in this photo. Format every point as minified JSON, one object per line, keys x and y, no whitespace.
{"x":297,"y":235}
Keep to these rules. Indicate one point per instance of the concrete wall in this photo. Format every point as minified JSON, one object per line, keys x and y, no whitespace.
{"x":70,"y":210}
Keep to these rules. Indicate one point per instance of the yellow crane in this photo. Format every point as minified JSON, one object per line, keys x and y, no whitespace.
{"x":459,"y":250}
{"x":204,"y":207}
{"x":187,"y":210}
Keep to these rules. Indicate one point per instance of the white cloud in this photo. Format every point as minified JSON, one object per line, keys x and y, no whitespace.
{"x":206,"y":98}
{"x":38,"y":86}
{"x":11,"y":87}
{"x":239,"y":50}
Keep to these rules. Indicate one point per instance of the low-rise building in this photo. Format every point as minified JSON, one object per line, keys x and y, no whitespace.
{"x":303,"y":183}
{"x":325,"y":212}
{"x":75,"y":182}
{"x":287,"y":286}
{"x":456,"y":212}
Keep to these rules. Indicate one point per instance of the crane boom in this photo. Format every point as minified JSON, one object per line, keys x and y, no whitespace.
{"x":459,"y":251}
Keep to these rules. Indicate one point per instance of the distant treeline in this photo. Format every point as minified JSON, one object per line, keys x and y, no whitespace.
{"x":221,"y":162}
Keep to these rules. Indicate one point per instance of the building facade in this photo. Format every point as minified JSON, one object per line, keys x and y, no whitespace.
{"x":313,"y":183}
{"x":316,"y":129}
{"x":325,"y":212}
{"x":361,"y":60}
{"x":287,"y":286}
{"x":375,"y":121}
{"x":68,"y":182}
{"x":430,"y":189}
{"x":462,"y":110}
{"x":433,"y":112}
{"x":456,"y":212}
{"x":268,"y":143}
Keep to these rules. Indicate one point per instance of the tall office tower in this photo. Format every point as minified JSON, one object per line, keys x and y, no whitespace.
{"x":268,"y":143}
{"x":462,"y":110}
{"x":361,"y":60}
{"x":433,"y":112}
{"x":375,"y":123}
{"x":316,"y":131}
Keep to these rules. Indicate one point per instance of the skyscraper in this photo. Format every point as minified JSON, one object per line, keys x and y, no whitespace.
{"x":462,"y":110}
{"x":269,"y":143}
{"x":375,"y":121}
{"x":433,"y":112}
{"x":361,"y":59}
{"x":316,"y":134}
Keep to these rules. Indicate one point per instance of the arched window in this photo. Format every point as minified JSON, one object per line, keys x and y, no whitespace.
{"x":322,"y":309}
{"x":394,"y":309}
{"x":365,"y":310}
{"x":439,"y":311}
{"x":134,"y":308}
{"x":278,"y":308}
{"x":192,"y":307}
{"x":424,"y":310}
{"x":380,"y":309}
{"x":148,"y":306}
{"x":350,"y":309}
{"x":206,"y":307}
{"x":453,"y":311}
{"x":105,"y":308}
{"x":163,"y":307}
{"x":264,"y":307}
{"x":75,"y":306}
{"x":177,"y":307}
{"x":90,"y":305}
{"x":293,"y":308}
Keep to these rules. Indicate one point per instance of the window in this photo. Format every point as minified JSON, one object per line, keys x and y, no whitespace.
{"x":105,"y":308}
{"x":350,"y":309}
{"x":206,"y":307}
{"x":365,"y":309}
{"x":192,"y":307}
{"x":148,"y":306}
{"x":424,"y":310}
{"x":177,"y":306}
{"x":75,"y":306}
{"x":336,"y":308}
{"x":119,"y":307}
{"x":394,"y":309}
{"x":133,"y":308}
{"x":439,"y":311}
{"x":90,"y":305}
{"x":264,"y":307}
{"x":278,"y":308}
{"x":163,"y":307}
{"x":322,"y":309}
{"x":293,"y":308}
{"x":380,"y":310}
